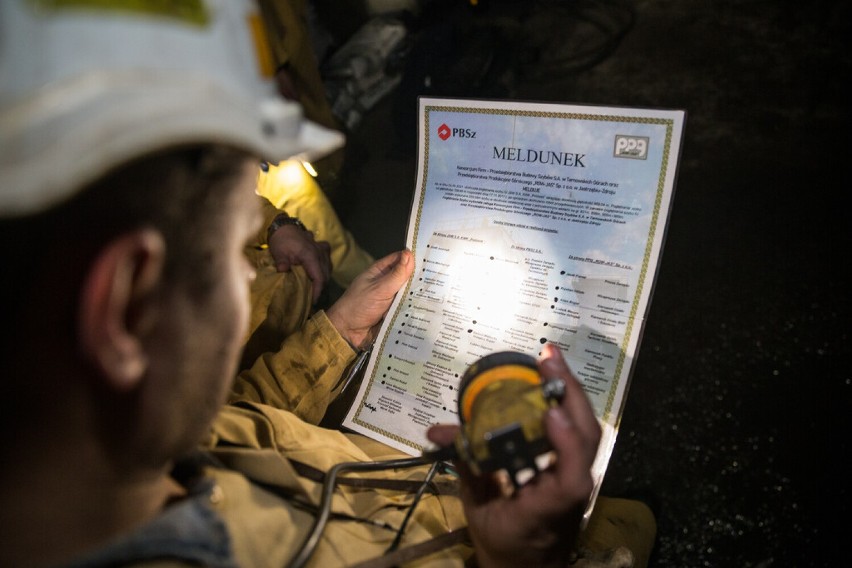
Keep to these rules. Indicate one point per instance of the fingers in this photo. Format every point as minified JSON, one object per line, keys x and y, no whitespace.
{"x":572,"y":428}
{"x":360,"y":310}
{"x":442,"y":434}
{"x":396,"y":267}
{"x":318,"y":268}
{"x":540,"y":520}
{"x":291,"y":246}
{"x":386,"y":276}
{"x":576,"y":403}
{"x":402,"y":270}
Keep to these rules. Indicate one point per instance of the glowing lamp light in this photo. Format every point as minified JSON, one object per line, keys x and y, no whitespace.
{"x":286,"y":180}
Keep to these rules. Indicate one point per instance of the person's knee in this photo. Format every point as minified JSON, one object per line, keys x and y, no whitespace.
{"x":616,"y":524}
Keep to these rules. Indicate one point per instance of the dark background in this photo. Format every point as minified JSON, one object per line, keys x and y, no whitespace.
{"x":736,"y":422}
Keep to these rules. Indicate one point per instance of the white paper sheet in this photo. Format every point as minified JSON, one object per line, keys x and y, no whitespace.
{"x":531,"y":223}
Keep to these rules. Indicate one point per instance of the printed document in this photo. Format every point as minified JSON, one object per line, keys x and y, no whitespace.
{"x":531,"y":223}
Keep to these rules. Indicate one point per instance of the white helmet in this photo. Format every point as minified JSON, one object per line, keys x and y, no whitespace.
{"x":86,"y":86}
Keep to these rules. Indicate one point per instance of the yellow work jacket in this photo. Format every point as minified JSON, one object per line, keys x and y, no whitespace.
{"x":267,"y":503}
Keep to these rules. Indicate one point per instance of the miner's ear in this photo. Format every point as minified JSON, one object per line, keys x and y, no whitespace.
{"x":114,"y":306}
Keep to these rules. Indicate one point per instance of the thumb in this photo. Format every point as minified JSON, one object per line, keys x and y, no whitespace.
{"x":404,"y":267}
{"x":395,"y":268}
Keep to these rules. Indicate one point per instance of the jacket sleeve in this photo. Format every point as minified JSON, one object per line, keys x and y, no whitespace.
{"x":302,"y":374}
{"x":269,"y":212}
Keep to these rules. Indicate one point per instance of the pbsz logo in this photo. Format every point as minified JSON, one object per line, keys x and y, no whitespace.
{"x":635,"y":147}
{"x":445,"y":132}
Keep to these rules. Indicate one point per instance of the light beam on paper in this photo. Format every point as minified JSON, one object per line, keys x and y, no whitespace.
{"x":488,"y":287}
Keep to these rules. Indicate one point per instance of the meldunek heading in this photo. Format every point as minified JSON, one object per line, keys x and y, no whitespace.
{"x":567,"y":159}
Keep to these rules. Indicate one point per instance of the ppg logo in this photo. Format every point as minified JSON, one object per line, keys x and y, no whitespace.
{"x":635,"y":147}
{"x":445,"y":132}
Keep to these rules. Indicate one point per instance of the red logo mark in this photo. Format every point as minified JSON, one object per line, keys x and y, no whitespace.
{"x":444,"y":132}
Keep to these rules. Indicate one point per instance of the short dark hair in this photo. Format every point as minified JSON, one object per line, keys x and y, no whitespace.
{"x":182,"y":192}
